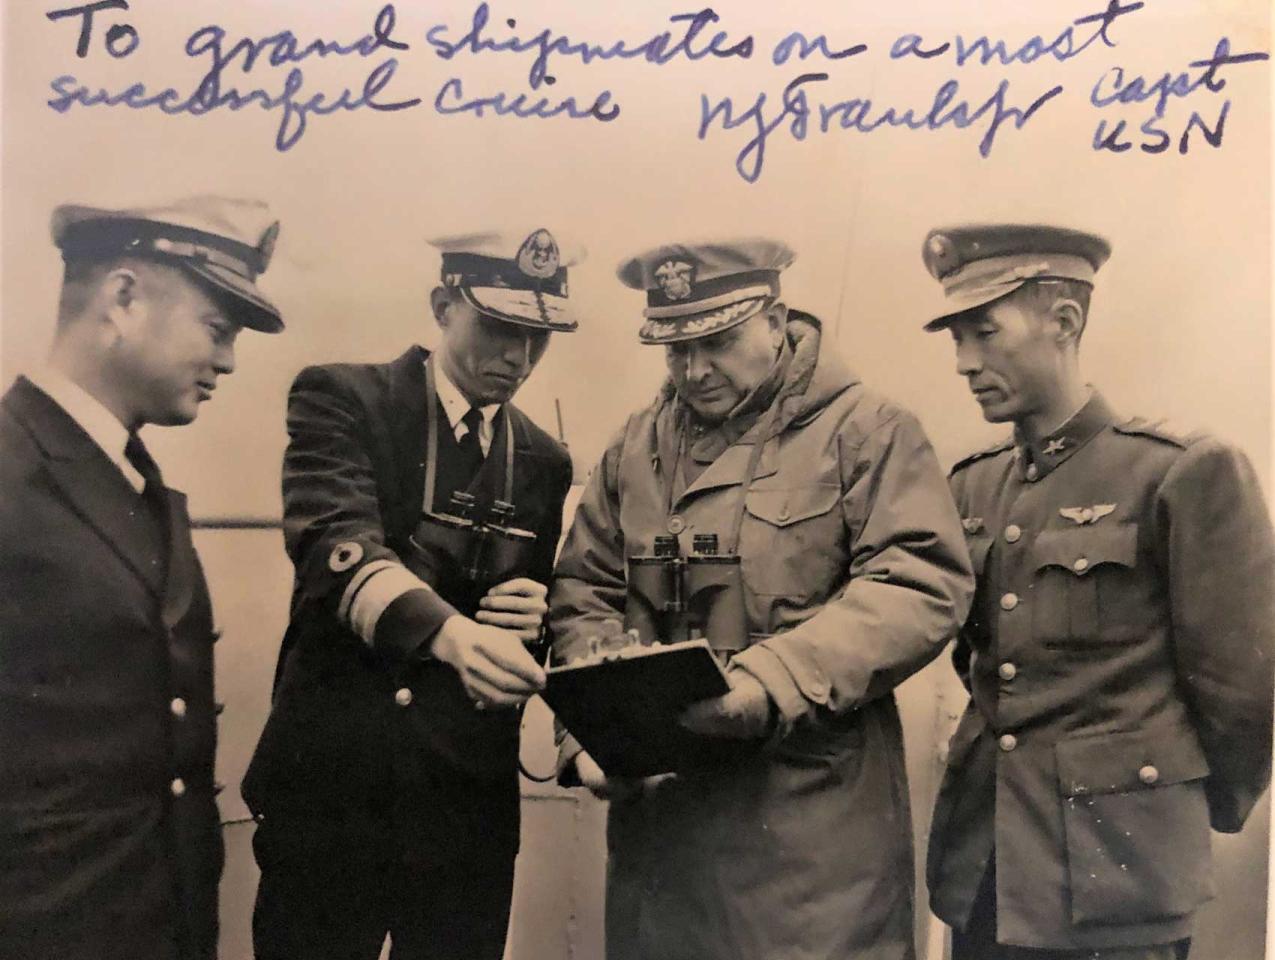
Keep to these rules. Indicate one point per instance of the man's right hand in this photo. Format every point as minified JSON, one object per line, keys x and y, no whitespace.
{"x":494,"y":666}
{"x":612,"y":788}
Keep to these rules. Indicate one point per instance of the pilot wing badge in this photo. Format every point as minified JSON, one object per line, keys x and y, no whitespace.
{"x":1086,"y":515}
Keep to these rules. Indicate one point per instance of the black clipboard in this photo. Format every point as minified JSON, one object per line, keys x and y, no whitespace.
{"x":623,"y":706}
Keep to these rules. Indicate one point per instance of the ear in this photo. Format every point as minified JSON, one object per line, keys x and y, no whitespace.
{"x":120,"y":293}
{"x":439,"y":301}
{"x":777,"y":317}
{"x":1069,"y":321}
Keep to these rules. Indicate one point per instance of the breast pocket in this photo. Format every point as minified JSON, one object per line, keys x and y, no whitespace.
{"x":1081,"y":574}
{"x":791,"y":540}
{"x":1136,"y":824}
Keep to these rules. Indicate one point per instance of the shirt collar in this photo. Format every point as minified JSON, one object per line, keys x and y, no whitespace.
{"x":455,"y":404}
{"x":92,"y":417}
{"x":1041,"y":457}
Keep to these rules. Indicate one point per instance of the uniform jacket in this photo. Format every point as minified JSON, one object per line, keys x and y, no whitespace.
{"x":341,"y":744}
{"x":855,"y":575}
{"x":1119,"y":658}
{"x":110,"y":842}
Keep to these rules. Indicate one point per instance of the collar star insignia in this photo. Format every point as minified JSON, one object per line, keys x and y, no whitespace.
{"x":1055,"y":446}
{"x":972,"y":524}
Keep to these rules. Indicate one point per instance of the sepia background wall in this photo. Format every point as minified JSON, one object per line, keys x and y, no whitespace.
{"x":1180,"y":324}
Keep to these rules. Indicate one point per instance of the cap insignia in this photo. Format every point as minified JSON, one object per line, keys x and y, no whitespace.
{"x":538,"y":256}
{"x":676,"y":278}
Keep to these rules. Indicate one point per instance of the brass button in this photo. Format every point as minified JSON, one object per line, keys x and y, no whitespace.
{"x":177,"y":787}
{"x":178,"y":707}
{"x":782,"y":516}
{"x":403,"y":696}
{"x":1032,"y":472}
{"x":1008,"y":742}
{"x":1007,"y":671}
{"x":676,"y":525}
{"x":1081,"y":565}
{"x":1013,"y":533}
{"x":1009,"y":601}
{"x":1149,"y":775}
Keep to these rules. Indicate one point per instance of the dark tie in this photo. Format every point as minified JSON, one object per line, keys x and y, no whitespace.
{"x":471,"y":450}
{"x":154,"y":494}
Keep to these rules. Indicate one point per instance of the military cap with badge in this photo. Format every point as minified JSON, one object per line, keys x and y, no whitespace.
{"x":518,"y":277}
{"x":980,"y":263}
{"x":225,"y":243}
{"x":699,"y":289}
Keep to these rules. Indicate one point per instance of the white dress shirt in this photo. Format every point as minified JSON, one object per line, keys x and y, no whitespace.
{"x":455,"y":405}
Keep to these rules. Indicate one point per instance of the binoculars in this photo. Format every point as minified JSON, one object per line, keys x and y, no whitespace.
{"x":672,"y":598}
{"x":463,"y":554}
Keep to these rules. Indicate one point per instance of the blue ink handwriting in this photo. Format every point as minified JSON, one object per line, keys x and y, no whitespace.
{"x":114,"y":34}
{"x":858,"y":114}
{"x":659,"y":49}
{"x":1063,"y":47}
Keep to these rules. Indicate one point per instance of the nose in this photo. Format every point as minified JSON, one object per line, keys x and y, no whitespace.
{"x":224,"y":358}
{"x":968,"y":361}
{"x":517,"y":352}
{"x":697,"y":365}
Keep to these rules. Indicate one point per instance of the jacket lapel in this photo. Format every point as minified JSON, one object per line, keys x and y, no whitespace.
{"x":407,"y":425}
{"x":90,"y":482}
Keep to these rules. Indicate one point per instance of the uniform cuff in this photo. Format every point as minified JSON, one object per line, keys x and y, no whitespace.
{"x":568,"y":750}
{"x":407,"y":626}
{"x":773,"y":674}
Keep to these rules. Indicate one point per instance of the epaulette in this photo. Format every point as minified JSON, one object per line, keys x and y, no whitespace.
{"x":999,"y":447}
{"x":1158,"y":430}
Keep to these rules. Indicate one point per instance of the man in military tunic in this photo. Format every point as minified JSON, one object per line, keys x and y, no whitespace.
{"x":855,"y":575}
{"x":1119,"y":651}
{"x":385,"y":782}
{"x":110,"y":840}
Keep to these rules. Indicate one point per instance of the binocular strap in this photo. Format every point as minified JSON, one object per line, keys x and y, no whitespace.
{"x":431,"y":448}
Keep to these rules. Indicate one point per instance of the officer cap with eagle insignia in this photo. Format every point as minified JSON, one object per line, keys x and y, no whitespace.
{"x":979,"y":263}
{"x":225,"y":242}
{"x":519,"y":277}
{"x":699,"y":289}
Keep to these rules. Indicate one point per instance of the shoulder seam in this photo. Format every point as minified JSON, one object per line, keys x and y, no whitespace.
{"x":1001,"y":447}
{"x":1156,"y":430}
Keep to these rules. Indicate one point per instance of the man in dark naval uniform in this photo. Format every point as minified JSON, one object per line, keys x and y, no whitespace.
{"x":1119,"y":650}
{"x":110,"y":841}
{"x":385,"y":783}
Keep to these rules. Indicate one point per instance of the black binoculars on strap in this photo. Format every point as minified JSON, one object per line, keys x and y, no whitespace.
{"x":462,"y":554}
{"x":672,"y":598}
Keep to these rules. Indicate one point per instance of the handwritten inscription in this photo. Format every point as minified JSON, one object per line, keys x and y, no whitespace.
{"x":994,"y":91}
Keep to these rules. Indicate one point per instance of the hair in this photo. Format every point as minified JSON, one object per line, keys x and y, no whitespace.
{"x":79,"y":278}
{"x":1043,"y":294}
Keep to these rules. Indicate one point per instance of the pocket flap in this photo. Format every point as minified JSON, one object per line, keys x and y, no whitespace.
{"x":782,"y":507}
{"x":1082,"y":549}
{"x":1130,"y":760}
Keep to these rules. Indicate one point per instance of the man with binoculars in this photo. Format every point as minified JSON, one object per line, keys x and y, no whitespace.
{"x":763,"y":453}
{"x":422,"y":511}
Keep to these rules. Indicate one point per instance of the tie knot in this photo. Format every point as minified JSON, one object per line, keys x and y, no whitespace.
{"x":473,"y":419}
{"x":135,"y":452}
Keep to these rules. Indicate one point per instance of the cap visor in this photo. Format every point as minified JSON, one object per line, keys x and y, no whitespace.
{"x":960,"y":303}
{"x":254,"y":311}
{"x":544,"y":311}
{"x":696,"y":325}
